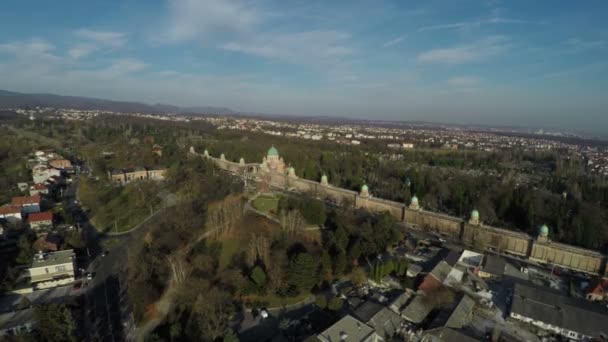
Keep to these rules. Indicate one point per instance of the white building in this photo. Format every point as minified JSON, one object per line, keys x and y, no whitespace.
{"x":40,"y":173}
{"x":551,"y":311}
{"x":52,"y":269}
{"x":11,"y":213}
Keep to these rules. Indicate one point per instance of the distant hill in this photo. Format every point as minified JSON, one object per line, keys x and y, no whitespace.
{"x":9,"y":99}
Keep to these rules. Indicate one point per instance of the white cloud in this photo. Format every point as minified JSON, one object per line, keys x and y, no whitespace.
{"x":95,"y":40}
{"x":463,"y":81}
{"x":578,"y":45}
{"x":104,"y":38}
{"x":31,"y":47}
{"x":124,"y":66}
{"x":476,"y":51}
{"x":198,"y":19}
{"x":394,"y":41}
{"x":301,"y":47}
{"x":83,"y":50}
{"x":494,"y":19}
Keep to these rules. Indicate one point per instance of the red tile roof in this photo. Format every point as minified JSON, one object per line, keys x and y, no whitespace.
{"x":10,"y":209}
{"x":23,"y":200}
{"x":40,"y":217}
{"x":39,"y":186}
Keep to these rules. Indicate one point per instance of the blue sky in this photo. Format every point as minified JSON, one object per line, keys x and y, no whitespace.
{"x":539,"y":63}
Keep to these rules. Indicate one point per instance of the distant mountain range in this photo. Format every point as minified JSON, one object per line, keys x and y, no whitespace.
{"x":9,"y":99}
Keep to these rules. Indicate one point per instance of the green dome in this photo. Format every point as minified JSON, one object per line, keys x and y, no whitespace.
{"x":364,"y":188}
{"x":414,"y":199}
{"x":544,"y":230}
{"x":272,"y":152}
{"x":292,"y":170}
{"x":475,"y":214}
{"x":324,"y":178}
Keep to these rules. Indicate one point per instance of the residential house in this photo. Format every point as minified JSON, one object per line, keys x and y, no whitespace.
{"x":60,"y":164}
{"x":52,"y":269}
{"x":551,"y":311}
{"x":47,"y":243}
{"x":16,"y":322}
{"x":156,"y":173}
{"x":39,"y":189}
{"x":598,"y":290}
{"x":157,"y":149}
{"x":349,"y":329}
{"x":40,"y":173}
{"x":28,"y":204}
{"x":11,"y":213}
{"x":128,"y":175}
{"x":38,"y":221}
{"x":385,"y":322}
{"x":435,"y":279}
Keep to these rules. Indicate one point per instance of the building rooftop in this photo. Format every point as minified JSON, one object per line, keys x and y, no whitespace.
{"x":24,"y":200}
{"x":461,"y":314}
{"x":347,"y":329}
{"x":40,"y":217}
{"x":16,"y":318}
{"x":547,"y":306}
{"x":451,"y":335}
{"x":417,"y":310}
{"x":50,"y":259}
{"x":385,"y":322}
{"x":10,"y":209}
{"x":494,"y":265}
{"x":366,"y":311}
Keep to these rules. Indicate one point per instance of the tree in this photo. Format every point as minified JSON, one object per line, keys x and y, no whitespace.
{"x":321,"y":301}
{"x":335,"y":304}
{"x":325,"y":267}
{"x":54,"y":323}
{"x":302,"y":273}
{"x":258,"y":276}
{"x":358,"y":276}
{"x":211,"y":314}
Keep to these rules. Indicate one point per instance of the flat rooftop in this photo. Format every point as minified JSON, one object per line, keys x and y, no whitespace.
{"x":54,"y":258}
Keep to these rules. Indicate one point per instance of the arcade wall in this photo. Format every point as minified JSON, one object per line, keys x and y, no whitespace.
{"x":480,"y":237}
{"x":442,"y":224}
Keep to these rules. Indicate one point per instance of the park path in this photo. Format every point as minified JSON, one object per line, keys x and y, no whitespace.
{"x":165,"y":303}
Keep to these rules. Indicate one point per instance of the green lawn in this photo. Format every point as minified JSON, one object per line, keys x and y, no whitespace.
{"x":266,"y":203}
{"x":229,"y":248}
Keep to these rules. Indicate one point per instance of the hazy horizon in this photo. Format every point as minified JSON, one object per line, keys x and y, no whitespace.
{"x":496,"y":63}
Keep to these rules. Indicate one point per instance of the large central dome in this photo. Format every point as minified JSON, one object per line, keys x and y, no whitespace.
{"x":272,"y":152}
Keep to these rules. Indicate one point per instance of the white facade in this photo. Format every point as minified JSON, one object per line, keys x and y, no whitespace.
{"x":52,"y":269}
{"x":548,"y":327}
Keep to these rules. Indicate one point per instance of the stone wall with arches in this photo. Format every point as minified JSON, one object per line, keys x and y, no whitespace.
{"x":477,"y":236}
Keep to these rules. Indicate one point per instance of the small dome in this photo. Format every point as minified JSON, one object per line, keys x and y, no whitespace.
{"x":324,"y":178}
{"x":544,"y":230}
{"x":206,"y":151}
{"x":272,"y":151}
{"x":242,"y":161}
{"x":364,"y":188}
{"x":414,"y":199}
{"x":222,"y":156}
{"x":292,"y":170}
{"x":474,"y":214}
